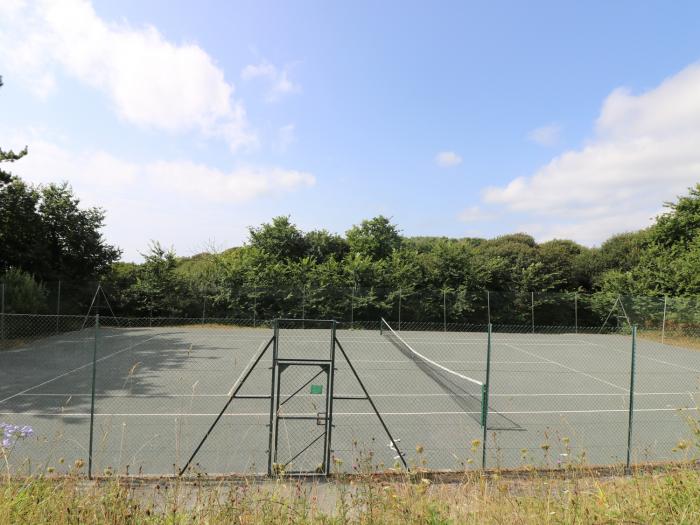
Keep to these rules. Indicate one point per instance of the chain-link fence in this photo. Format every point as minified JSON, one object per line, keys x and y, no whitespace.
{"x":447,"y":307}
{"x":135,"y":395}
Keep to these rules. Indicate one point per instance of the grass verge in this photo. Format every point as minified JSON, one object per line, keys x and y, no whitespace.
{"x":672,"y":496}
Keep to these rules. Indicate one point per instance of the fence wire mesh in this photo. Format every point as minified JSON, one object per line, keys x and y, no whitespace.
{"x":559,"y":394}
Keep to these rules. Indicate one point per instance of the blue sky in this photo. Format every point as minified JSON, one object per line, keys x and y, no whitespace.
{"x":189,"y":121}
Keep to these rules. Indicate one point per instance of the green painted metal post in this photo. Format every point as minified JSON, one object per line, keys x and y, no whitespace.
{"x":2,"y":311}
{"x":58,"y":307}
{"x":399,"y":309}
{"x":329,"y":403}
{"x":255,"y":304}
{"x":92,"y":395}
{"x":444,"y":310}
{"x":485,"y":399}
{"x":631,"y":407}
{"x":663,"y":322}
{"x":488,"y":307}
{"x":352,"y":306}
{"x":273,"y":400}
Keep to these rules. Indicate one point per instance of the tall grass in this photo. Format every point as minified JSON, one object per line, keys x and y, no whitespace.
{"x":668,"y":497}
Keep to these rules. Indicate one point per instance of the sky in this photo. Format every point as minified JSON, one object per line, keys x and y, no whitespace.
{"x":189,"y":122}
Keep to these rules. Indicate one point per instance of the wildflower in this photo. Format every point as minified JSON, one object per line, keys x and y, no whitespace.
{"x":682,"y":445}
{"x":419,"y":449}
{"x":9,"y":434}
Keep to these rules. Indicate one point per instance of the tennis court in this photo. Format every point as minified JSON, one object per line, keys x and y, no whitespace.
{"x":554,"y":398}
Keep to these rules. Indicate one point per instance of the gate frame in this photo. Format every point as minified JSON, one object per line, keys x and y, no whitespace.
{"x":330,"y":397}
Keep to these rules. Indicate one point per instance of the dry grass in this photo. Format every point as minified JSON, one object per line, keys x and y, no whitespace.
{"x":667,"y":497}
{"x":671,"y":338}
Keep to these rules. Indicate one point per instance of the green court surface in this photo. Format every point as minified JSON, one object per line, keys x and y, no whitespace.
{"x":553,"y":399}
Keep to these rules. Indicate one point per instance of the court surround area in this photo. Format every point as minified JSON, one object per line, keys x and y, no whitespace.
{"x":554,"y":398}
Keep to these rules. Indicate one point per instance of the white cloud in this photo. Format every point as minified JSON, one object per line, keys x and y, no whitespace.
{"x":645,"y":151}
{"x":287,"y":136}
{"x":474,"y":214}
{"x":151,"y":81}
{"x":214,"y":185}
{"x":447,"y":159}
{"x":546,"y":135}
{"x":173,"y":201}
{"x":279,"y":82}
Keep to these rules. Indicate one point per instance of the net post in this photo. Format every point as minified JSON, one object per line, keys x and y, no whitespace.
{"x":631,"y":401}
{"x":663,"y":323}
{"x":92,"y":393}
{"x":485,"y":398}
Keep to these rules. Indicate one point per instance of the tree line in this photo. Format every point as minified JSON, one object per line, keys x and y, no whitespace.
{"x":47,"y":236}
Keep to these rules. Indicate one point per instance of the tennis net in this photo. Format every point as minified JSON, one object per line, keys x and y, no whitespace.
{"x":470,"y":394}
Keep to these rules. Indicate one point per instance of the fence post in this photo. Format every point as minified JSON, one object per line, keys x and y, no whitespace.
{"x":575,"y":312}
{"x":532,"y":310}
{"x":488,"y":307}
{"x":352,"y":306}
{"x":663,"y":323}
{"x":444,"y":310}
{"x":255,"y":303}
{"x":92,"y":394}
{"x":485,"y":399}
{"x":2,"y":311}
{"x":399,"y":327}
{"x":303,"y":304}
{"x":631,"y":406}
{"x":58,"y":306}
{"x":204,"y":308}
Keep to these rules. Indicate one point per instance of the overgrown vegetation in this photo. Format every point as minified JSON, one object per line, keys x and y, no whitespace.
{"x":672,"y":497}
{"x":371,"y":271}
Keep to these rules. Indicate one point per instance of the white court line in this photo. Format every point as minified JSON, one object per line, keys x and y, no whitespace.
{"x":660,"y":361}
{"x":76,"y":369}
{"x":267,"y":414}
{"x":567,"y":367}
{"x":480,"y":361}
{"x":85,"y":340}
{"x":248,"y":368}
